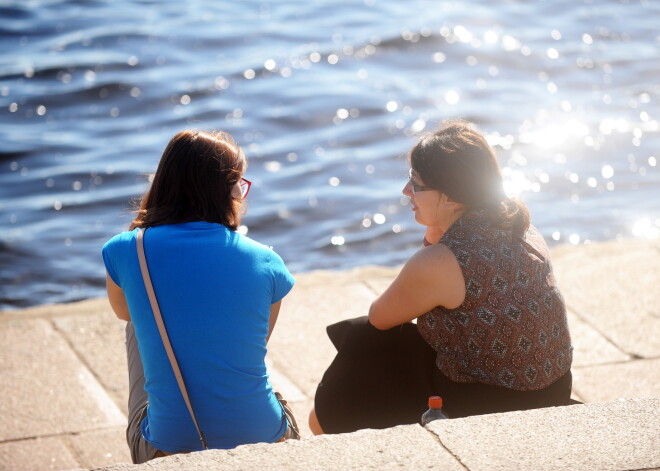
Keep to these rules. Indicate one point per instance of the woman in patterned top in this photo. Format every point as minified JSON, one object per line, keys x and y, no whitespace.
{"x":491,"y":332}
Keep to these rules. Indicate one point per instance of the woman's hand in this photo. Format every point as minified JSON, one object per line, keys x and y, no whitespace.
{"x":432,"y":277}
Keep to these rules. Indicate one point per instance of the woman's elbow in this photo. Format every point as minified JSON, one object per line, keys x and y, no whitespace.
{"x":377,"y":321}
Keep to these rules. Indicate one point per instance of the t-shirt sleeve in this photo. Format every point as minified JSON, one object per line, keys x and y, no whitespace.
{"x":106,"y":251}
{"x":283,"y":280}
{"x":114,"y":258}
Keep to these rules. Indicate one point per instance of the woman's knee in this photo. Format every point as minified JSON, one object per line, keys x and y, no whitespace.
{"x":314,"y":424}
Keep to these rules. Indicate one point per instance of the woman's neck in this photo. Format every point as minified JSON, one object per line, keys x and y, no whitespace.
{"x":433,"y":234}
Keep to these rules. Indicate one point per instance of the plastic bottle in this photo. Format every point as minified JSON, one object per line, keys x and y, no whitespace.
{"x":435,"y":410}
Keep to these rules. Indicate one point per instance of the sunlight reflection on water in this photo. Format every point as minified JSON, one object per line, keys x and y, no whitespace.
{"x":326,"y":102}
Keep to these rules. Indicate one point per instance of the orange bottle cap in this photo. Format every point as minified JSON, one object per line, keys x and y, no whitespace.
{"x":435,"y":402}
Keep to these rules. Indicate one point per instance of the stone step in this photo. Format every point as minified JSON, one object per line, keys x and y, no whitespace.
{"x":616,"y":435}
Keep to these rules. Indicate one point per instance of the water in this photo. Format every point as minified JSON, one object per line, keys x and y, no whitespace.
{"x":326,"y":97}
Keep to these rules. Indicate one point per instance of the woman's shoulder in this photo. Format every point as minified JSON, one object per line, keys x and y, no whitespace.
{"x":433,"y":258}
{"x":533,"y":234}
{"x":123,"y":238}
{"x":251,"y":244}
{"x":534,"y":238}
{"x":256,"y":248}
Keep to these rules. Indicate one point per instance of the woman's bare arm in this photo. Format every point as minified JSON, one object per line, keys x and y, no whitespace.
{"x":117,"y":299}
{"x":432,"y":277}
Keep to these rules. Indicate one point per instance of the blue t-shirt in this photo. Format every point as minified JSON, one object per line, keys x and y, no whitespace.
{"x":214,"y":288}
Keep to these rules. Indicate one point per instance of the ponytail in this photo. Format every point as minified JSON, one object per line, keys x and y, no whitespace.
{"x":511,"y":214}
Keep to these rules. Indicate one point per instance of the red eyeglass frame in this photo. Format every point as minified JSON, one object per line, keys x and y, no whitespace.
{"x":245,"y":183}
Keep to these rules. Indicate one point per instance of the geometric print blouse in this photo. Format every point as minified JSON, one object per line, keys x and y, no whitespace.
{"x":511,"y":330}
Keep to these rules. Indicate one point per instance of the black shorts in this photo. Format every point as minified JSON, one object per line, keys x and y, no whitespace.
{"x":381,"y":379}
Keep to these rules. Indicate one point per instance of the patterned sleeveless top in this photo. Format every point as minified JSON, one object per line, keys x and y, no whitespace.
{"x":511,"y":330}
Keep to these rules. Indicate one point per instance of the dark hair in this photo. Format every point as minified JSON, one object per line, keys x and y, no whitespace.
{"x":194,"y":182}
{"x":458,"y":161}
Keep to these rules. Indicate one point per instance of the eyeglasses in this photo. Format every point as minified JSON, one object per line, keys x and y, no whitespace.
{"x":415,"y":186}
{"x":244,"y":185}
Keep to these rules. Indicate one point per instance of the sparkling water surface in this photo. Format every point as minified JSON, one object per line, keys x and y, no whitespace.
{"x":326,"y":97}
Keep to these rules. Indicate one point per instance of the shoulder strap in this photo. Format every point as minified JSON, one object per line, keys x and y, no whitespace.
{"x":163,"y":332}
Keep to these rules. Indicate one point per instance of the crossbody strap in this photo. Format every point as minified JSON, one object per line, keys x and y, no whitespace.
{"x":163,"y":332}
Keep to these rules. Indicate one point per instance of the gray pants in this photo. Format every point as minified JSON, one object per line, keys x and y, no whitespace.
{"x":141,"y":450}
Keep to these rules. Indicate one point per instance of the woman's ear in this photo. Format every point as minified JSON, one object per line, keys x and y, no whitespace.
{"x":451,"y":204}
{"x":446,"y":200}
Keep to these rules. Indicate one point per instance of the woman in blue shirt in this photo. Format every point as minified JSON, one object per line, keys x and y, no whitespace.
{"x":219,"y":294}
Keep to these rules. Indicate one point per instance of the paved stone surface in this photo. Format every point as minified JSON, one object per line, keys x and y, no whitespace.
{"x":52,"y":392}
{"x":639,"y":378}
{"x":65,"y":384}
{"x":103,"y":332}
{"x":618,"y":435}
{"x":36,"y":454}
{"x":299,"y":344}
{"x":101,"y":448}
{"x":589,"y":346}
{"x":614,"y":286}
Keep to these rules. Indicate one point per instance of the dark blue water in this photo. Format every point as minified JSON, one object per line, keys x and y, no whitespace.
{"x":326,"y":97}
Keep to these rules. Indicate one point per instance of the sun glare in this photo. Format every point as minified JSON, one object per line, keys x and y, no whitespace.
{"x":647,"y":229}
{"x":555,"y":134}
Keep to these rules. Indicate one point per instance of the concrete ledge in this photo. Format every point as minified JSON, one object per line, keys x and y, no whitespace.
{"x":616,"y":435}
{"x":64,"y":389}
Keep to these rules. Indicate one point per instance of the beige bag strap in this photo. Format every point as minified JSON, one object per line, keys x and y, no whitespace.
{"x":163,"y":332}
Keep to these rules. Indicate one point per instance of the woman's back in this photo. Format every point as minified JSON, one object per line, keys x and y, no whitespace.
{"x":215,"y":289}
{"x":511,"y":329}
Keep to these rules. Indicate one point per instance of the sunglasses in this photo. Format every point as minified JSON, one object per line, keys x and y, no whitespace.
{"x":415,"y":186}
